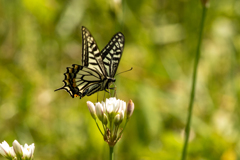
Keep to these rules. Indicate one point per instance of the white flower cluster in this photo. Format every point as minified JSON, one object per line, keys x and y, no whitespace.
{"x":111,"y":113}
{"x":17,"y":151}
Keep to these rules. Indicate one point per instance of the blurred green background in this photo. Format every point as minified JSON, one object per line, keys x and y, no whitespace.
{"x":40,"y":38}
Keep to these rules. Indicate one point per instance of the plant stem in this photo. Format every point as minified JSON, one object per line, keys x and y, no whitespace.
{"x":120,"y":134}
{"x":194,"y":78}
{"x":111,"y":129}
{"x":111,"y":152}
{"x":99,"y":128}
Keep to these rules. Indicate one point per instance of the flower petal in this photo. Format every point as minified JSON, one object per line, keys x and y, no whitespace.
{"x":4,"y":148}
{"x":18,"y":149}
{"x":92,"y":109}
{"x":99,"y":111}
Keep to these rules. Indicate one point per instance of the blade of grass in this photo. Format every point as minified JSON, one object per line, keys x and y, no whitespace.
{"x":194,"y":79}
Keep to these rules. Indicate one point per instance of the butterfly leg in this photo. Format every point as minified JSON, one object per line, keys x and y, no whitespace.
{"x":106,"y":90}
{"x":115,"y":92}
{"x":97,"y":96}
{"x":112,"y":90}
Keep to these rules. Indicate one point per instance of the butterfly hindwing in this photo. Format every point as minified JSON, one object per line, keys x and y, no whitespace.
{"x":70,"y":81}
{"x":79,"y":79}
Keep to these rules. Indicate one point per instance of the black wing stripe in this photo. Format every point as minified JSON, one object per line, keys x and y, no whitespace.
{"x":95,"y":88}
{"x":108,"y":58}
{"x":94,"y":64}
{"x":88,"y":72}
{"x":106,"y":63}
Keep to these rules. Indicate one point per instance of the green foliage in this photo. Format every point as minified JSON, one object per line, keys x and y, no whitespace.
{"x":40,"y":38}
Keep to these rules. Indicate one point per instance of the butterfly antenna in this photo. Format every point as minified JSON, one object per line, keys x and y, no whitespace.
{"x":124,"y":71}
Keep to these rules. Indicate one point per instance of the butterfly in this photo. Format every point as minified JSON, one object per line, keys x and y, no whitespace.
{"x":98,"y":68}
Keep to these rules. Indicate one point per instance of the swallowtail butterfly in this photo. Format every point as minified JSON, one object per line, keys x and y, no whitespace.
{"x":98,"y":68}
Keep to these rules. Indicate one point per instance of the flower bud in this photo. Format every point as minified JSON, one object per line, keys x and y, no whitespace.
{"x":122,"y":115}
{"x":105,"y":119}
{"x":205,"y":3}
{"x":130,"y":108}
{"x":17,"y":149}
{"x":99,"y":111}
{"x":92,"y":109}
{"x":117,"y":119}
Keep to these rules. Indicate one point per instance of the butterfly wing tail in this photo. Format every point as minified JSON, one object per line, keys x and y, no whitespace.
{"x":70,"y":82}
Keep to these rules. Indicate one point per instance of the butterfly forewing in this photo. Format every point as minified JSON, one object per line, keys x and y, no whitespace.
{"x":112,"y":53}
{"x":91,"y":56}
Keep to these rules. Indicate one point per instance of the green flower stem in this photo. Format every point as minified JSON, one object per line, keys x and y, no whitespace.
{"x":111,"y":152}
{"x":111,"y":129}
{"x":19,"y":158}
{"x":98,"y":127}
{"x":115,"y":130}
{"x":120,"y":134}
{"x":104,"y":128}
{"x":194,"y":78}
